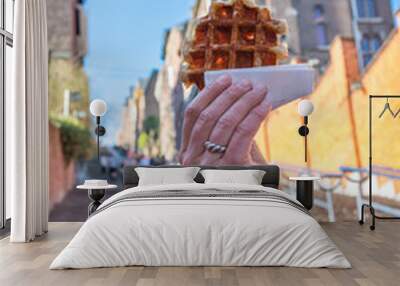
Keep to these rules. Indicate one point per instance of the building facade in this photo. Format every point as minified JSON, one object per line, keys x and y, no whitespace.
{"x":67,"y":43}
{"x":313,"y":24}
{"x":139,"y":110}
{"x":67,"y":29}
{"x":167,"y":89}
{"x":126,"y":131}
{"x":151,"y":108}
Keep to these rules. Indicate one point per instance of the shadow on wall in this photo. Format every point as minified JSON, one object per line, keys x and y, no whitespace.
{"x":62,"y":174}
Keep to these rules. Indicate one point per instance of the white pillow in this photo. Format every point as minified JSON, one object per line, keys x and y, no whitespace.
{"x":165,"y":176}
{"x":248,"y":177}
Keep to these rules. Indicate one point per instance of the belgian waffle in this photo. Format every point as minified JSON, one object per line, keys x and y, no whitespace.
{"x":237,"y":34}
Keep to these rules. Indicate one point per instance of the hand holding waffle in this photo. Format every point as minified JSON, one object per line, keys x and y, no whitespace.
{"x":221,"y":122}
{"x":227,"y":115}
{"x":233,"y":35}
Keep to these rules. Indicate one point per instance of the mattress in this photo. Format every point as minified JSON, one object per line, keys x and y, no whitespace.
{"x":201,"y":225}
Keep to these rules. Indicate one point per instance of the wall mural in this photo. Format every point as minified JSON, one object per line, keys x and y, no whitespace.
{"x":184,"y":114}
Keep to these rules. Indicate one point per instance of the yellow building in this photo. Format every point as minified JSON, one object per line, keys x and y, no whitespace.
{"x":339,"y":124}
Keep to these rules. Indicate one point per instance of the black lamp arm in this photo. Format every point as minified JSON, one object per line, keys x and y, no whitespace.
{"x":100,"y":131}
{"x":304,"y":131}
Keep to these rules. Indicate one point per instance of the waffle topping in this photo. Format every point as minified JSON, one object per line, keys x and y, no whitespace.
{"x":222,"y":11}
{"x":237,"y":34}
{"x":220,"y":60}
{"x":222,"y":35}
{"x":201,"y":35}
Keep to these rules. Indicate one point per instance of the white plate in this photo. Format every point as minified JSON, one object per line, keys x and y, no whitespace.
{"x":285,"y":82}
{"x":90,"y":187}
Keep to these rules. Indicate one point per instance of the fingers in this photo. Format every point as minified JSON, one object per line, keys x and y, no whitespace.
{"x":209,"y":116}
{"x":256,"y":155}
{"x":227,"y":123}
{"x":202,"y":100}
{"x":239,"y":147}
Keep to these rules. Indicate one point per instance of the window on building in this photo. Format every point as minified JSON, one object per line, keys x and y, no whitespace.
{"x":77,"y":22}
{"x":371,"y":8}
{"x":318,"y":12}
{"x":366,"y":8}
{"x":6,"y":43}
{"x":370,"y":44}
{"x":375,"y":43}
{"x":320,"y":27}
{"x":321,"y":34}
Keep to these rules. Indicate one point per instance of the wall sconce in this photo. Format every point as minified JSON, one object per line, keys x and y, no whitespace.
{"x":98,"y":108}
{"x":305,"y":109}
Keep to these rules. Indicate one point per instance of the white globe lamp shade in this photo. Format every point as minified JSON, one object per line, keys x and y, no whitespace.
{"x":305,"y":108}
{"x":98,"y":107}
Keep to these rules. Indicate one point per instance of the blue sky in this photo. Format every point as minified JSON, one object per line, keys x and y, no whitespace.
{"x":125,"y":39}
{"x":396,"y":4}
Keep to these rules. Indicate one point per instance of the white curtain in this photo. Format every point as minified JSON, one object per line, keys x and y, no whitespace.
{"x":27,"y":123}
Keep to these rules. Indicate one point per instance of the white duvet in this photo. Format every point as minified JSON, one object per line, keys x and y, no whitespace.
{"x":191,"y":231}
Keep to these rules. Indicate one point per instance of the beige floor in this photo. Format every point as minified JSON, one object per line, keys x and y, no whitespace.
{"x":375,"y":257}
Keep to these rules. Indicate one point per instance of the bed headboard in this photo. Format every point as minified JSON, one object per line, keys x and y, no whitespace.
{"x":271,"y":177}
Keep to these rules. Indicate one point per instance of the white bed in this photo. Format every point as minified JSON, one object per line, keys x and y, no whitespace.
{"x":248,"y":226}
